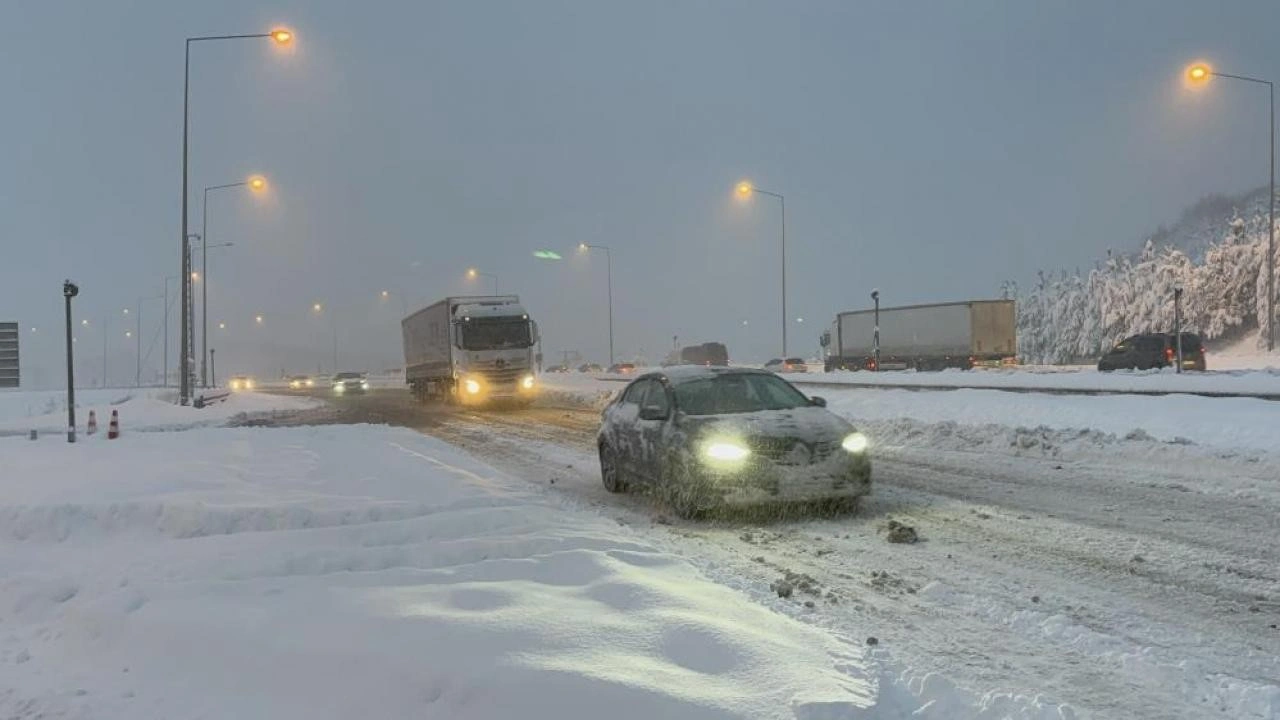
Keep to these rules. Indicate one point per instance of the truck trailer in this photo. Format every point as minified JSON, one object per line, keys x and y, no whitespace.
{"x":968,"y":334}
{"x":472,"y":350}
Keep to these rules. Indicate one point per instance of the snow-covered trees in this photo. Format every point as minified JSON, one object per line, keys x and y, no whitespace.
{"x":1074,"y":317}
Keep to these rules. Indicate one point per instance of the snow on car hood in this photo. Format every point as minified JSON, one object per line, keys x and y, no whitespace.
{"x":813,"y":424}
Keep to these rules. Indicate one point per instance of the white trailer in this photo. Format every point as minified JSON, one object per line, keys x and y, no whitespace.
{"x":471,"y":349}
{"x":965,"y":334}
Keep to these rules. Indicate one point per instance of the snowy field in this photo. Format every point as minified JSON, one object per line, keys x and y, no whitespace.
{"x":1236,"y":381}
{"x":145,"y":409}
{"x":364,"y":571}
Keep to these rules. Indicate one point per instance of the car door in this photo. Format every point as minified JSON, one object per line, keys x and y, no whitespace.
{"x":651,"y":423}
{"x":621,"y":424}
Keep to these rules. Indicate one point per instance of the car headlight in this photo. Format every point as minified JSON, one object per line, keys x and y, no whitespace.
{"x":364,"y":385}
{"x":725,"y":451}
{"x":339,"y":387}
{"x":471,"y":386}
{"x":855,"y":443}
{"x":527,"y":382}
{"x":310,"y":383}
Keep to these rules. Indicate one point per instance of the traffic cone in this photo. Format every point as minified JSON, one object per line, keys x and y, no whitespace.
{"x":113,"y":430}
{"x":93,"y":424}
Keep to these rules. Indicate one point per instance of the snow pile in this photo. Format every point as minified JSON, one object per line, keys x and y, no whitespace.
{"x":362,"y":571}
{"x":147,"y":409}
{"x":578,"y":390}
{"x":1241,"y":382}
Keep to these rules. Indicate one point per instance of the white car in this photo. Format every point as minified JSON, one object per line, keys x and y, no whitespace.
{"x":787,"y":365}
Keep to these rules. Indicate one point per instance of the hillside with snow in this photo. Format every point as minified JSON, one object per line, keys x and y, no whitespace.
{"x":1216,"y":253}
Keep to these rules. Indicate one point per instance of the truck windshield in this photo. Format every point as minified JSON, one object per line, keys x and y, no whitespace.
{"x":496,"y":334}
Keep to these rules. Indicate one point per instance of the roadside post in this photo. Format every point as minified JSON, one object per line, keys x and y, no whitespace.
{"x":1177,"y":322}
{"x":70,"y":290}
{"x":875,"y":297}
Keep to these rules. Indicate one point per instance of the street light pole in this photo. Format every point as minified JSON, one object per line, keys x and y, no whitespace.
{"x":1199,"y":73}
{"x":608,"y":256}
{"x":165,"y":382}
{"x":875,"y":353}
{"x":745,"y":189}
{"x":280,"y":36}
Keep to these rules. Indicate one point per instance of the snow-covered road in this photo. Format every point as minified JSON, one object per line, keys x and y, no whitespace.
{"x":1062,"y":573}
{"x":1127,"y":578}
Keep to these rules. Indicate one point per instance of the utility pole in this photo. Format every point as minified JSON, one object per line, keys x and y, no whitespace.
{"x":69,"y":290}
{"x":213,"y":369}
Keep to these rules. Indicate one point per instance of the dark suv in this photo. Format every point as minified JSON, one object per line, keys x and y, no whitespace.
{"x":1154,"y":350}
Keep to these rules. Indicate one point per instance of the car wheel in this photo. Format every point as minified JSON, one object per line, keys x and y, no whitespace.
{"x":610,"y":471}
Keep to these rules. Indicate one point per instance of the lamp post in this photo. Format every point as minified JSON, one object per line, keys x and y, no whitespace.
{"x":608,"y":256}
{"x":137,"y":373}
{"x":474,"y":273}
{"x":281,"y":37}
{"x":744,"y":190}
{"x":1200,"y":74}
{"x":875,"y":342}
{"x":257,"y":184}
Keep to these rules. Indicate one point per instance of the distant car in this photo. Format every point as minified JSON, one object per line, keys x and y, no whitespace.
{"x":350,"y":382}
{"x":621,"y":368}
{"x":240,"y":382}
{"x":590,"y":368}
{"x":708,"y":437}
{"x":1154,"y":350}
{"x":299,"y":382}
{"x":787,"y":365}
{"x":558,"y":369}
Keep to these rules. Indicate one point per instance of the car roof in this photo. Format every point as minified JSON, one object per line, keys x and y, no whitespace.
{"x":683,"y":373}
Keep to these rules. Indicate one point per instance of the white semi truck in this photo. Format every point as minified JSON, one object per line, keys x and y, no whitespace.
{"x":973,"y":333}
{"x":471,"y":349}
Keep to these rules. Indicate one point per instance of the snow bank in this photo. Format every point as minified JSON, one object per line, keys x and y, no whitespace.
{"x":146,"y":409}
{"x":362,"y":571}
{"x":1166,"y":381}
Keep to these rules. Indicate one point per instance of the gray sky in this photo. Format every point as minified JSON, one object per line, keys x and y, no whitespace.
{"x":931,"y":149}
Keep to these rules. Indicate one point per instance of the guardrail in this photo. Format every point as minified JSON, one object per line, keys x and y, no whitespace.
{"x":209,"y":398}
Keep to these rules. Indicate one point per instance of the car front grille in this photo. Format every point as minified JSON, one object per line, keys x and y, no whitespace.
{"x":791,"y":451}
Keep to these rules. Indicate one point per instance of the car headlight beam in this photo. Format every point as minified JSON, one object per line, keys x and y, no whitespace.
{"x":855,"y":443}
{"x":471,"y":386}
{"x":527,"y":382}
{"x":725,"y":451}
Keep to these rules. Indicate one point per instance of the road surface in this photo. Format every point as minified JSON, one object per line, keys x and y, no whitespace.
{"x":1118,"y":584}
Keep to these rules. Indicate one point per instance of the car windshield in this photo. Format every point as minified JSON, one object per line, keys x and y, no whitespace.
{"x":347,"y":376}
{"x":496,"y":334}
{"x":737,"y":393}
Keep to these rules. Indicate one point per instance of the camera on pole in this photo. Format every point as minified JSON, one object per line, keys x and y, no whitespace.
{"x":70,"y":290}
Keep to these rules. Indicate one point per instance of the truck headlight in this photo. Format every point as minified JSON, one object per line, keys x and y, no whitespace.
{"x":471,"y":386}
{"x":725,"y":451}
{"x":527,"y":382}
{"x":855,"y":443}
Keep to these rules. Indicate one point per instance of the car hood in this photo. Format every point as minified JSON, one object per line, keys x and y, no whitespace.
{"x":811,"y":424}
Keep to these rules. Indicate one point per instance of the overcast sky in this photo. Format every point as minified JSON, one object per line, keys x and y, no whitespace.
{"x":930,"y":149}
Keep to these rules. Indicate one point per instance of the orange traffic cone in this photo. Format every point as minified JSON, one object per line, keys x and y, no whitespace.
{"x":93,"y":424}
{"x":113,"y":430}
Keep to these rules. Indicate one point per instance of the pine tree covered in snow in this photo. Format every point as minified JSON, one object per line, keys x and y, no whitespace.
{"x":1074,"y":317}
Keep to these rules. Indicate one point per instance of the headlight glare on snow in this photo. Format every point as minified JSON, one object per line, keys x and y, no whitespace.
{"x":725,"y":451}
{"x":855,"y":443}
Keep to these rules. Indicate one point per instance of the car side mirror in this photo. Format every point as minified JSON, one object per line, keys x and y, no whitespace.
{"x":652,"y":413}
{"x":818,"y":401}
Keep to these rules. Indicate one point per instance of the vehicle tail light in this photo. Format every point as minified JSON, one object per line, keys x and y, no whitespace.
{"x":1168,"y":353}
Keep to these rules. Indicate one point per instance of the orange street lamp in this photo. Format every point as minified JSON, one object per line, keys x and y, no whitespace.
{"x":257,"y":184}
{"x":745,"y":190}
{"x":282,"y":36}
{"x":1199,"y":74}
{"x":474,"y":273}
